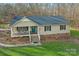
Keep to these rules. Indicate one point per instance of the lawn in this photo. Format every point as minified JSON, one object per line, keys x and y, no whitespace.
{"x":74,"y":33}
{"x":56,"y":48}
{"x":4,"y":26}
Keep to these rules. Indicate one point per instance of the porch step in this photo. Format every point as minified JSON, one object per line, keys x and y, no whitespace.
{"x":35,"y":39}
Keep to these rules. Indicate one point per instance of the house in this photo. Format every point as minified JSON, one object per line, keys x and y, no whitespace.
{"x":39,"y":29}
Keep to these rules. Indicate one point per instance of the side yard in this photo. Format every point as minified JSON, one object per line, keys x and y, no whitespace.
{"x":4,"y":26}
{"x":74,"y":33}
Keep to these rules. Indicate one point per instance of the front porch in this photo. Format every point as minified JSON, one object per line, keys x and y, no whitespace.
{"x":25,"y":31}
{"x":32,"y":32}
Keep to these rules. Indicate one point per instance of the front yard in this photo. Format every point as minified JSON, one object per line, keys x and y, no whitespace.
{"x":59,"y":48}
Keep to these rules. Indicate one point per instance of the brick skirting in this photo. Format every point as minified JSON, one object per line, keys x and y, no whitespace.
{"x":52,"y":37}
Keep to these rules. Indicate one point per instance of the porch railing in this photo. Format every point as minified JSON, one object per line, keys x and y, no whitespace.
{"x":24,"y":33}
{"x":21,"y":33}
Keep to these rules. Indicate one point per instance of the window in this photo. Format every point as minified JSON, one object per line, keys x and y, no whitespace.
{"x":25,"y":28}
{"x":18,"y":29}
{"x":62,"y":27}
{"x":47,"y":28}
{"x":22,"y":29}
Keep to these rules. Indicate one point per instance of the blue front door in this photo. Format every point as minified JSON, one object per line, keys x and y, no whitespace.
{"x":34,"y":29}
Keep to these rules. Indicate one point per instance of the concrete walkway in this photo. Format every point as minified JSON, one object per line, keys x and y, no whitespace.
{"x":10,"y":45}
{"x":16,"y":45}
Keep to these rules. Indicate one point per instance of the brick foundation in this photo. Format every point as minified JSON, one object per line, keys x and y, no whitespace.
{"x":52,"y":37}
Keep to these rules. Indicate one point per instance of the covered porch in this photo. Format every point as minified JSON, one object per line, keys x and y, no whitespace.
{"x":30,"y":31}
{"x":25,"y":30}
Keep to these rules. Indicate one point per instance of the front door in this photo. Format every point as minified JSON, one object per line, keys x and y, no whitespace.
{"x":35,"y":38}
{"x":33,"y":29}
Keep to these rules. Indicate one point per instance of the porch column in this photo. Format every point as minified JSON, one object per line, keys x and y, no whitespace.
{"x":11,"y":32}
{"x":29,"y":34}
{"x":38,"y":34}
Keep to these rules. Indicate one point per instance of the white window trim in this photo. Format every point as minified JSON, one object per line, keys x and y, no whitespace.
{"x":62,"y":27}
{"x":48,"y":28}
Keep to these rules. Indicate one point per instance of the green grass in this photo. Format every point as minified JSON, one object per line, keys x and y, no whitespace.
{"x":47,"y":49}
{"x":74,"y":33}
{"x":4,"y":26}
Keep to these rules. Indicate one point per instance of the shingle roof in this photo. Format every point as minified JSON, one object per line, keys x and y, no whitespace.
{"x":43,"y":20}
{"x":15,"y":19}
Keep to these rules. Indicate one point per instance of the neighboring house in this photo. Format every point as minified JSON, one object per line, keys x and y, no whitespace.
{"x":40,"y":28}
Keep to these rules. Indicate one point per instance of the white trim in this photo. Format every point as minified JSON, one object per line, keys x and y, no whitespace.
{"x":19,"y":35}
{"x":29,"y":34}
{"x":11,"y":32}
{"x":38,"y":34}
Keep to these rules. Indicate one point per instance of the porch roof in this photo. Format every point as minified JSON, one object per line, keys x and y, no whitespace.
{"x":43,"y":20}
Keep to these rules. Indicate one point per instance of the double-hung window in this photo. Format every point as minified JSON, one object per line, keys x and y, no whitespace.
{"x":62,"y":27}
{"x":47,"y":28}
{"x":22,"y":29}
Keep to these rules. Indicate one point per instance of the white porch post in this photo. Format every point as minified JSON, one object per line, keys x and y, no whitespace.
{"x":29,"y":34}
{"x":11,"y":32}
{"x":38,"y":34}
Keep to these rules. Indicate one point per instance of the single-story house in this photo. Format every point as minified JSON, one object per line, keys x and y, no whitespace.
{"x":40,"y":28}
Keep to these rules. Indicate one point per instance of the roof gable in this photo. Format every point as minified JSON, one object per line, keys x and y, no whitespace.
{"x":43,"y":20}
